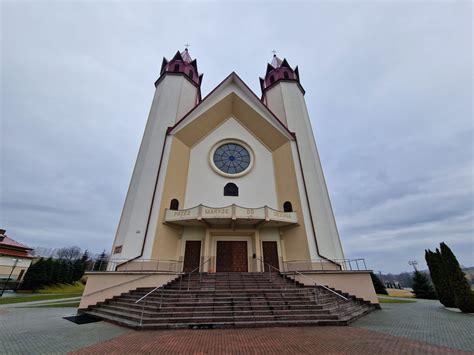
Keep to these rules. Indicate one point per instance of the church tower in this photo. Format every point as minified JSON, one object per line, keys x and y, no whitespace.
{"x":177,"y":91}
{"x":283,"y":94}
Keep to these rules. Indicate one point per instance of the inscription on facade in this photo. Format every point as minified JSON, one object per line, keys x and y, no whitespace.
{"x":181,"y":213}
{"x":217,"y":211}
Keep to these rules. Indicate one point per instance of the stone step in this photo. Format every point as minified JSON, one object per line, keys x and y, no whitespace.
{"x":197,"y":312}
{"x":157,"y":319}
{"x":229,"y":300}
{"x":308,"y":306}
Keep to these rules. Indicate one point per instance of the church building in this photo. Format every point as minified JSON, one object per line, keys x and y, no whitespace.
{"x":229,"y":183}
{"x":232,"y":177}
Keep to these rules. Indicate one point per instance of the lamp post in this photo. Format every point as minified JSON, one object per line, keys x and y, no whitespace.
{"x":413,"y":263}
{"x":15,"y":262}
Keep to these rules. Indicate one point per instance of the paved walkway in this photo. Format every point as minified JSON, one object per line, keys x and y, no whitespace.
{"x":412,"y":328}
{"x":300,"y":340}
{"x":44,"y":331}
{"x":423,"y":320}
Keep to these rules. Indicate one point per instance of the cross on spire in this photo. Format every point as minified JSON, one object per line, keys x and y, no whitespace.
{"x":187,"y":45}
{"x":274,"y":52}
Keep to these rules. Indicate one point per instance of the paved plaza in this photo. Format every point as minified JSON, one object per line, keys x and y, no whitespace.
{"x":423,"y":327}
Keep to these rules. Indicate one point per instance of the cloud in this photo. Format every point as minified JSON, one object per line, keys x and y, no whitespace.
{"x":388,"y":86}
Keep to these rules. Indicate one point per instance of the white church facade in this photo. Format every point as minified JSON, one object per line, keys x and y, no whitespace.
{"x":229,"y":183}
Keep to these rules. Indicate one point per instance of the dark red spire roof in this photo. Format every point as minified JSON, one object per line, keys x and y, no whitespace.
{"x":277,"y":71}
{"x":184,"y":64}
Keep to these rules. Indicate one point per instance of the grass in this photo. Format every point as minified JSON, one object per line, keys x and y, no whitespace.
{"x":37,"y":297}
{"x":62,"y":289}
{"x":393,"y":300}
{"x":57,"y":305}
{"x":394,"y":292}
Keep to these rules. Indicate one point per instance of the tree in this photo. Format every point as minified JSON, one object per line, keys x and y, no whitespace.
{"x":68,"y":253}
{"x":463,"y":295}
{"x":422,"y":287}
{"x":36,"y":276}
{"x":378,"y":285}
{"x":439,"y":276}
{"x":101,"y":262}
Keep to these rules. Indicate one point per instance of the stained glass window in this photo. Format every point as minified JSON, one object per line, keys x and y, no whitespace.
{"x":231,"y":158}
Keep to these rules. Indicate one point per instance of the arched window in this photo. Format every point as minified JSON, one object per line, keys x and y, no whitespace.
{"x":285,"y":74}
{"x":176,"y":67}
{"x":174,"y":204}
{"x":287,"y":207}
{"x":231,"y":189}
{"x":272,"y":79}
{"x":190,"y":73}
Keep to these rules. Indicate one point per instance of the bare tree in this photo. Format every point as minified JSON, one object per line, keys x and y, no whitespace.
{"x":69,"y":253}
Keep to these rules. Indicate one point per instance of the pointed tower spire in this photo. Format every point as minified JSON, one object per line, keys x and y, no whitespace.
{"x":182,"y":63}
{"x":279,"y":70}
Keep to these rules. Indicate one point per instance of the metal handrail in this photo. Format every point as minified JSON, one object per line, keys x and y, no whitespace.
{"x":112,"y":264}
{"x":345,"y":262}
{"x":181,"y":277}
{"x":316,"y":284}
{"x":120,"y":284}
{"x":191,"y":272}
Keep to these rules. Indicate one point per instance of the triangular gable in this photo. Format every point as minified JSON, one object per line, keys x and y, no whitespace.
{"x":232,"y":97}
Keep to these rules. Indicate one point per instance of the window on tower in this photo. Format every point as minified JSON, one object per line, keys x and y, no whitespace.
{"x":287,"y":207}
{"x":176,"y":67}
{"x":272,"y":79}
{"x":174,"y":204}
{"x":286,"y":75}
{"x":190,"y":73}
{"x":231,"y":189}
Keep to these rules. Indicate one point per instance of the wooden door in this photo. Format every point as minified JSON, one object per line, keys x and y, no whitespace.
{"x":232,"y":256}
{"x":270,"y":255}
{"x":192,"y":255}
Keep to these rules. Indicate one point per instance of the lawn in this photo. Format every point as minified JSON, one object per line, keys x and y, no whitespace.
{"x":394,"y":292}
{"x":62,"y":289}
{"x":394,"y":300}
{"x":37,"y":297}
{"x":63,"y":304}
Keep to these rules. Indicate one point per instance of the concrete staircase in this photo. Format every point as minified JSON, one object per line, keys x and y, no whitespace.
{"x":230,"y":300}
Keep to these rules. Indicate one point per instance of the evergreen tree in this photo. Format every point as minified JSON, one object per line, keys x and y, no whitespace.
{"x":378,"y":285}
{"x":463,"y":295}
{"x":422,"y":287}
{"x":440,"y":278}
{"x":35,"y":276}
{"x":101,"y":262}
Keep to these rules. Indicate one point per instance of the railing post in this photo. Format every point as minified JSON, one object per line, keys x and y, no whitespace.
{"x":365,"y":267}
{"x":143,"y":310}
{"x":161,"y":298}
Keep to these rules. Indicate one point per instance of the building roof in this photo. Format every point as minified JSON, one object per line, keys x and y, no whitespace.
{"x":6,"y":241}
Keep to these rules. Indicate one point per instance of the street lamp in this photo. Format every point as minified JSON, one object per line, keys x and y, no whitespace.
{"x":413,"y":263}
{"x":15,"y":263}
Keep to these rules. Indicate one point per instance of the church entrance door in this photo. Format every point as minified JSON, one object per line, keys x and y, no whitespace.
{"x":192,"y":255}
{"x":232,"y":256}
{"x":270,"y":255}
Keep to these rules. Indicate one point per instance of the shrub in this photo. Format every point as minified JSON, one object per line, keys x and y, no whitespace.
{"x":422,"y":287}
{"x":440,"y":278}
{"x":378,"y":285}
{"x":463,"y":295}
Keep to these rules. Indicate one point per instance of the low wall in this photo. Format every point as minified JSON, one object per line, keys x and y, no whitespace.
{"x":103,"y":285}
{"x":357,"y":283}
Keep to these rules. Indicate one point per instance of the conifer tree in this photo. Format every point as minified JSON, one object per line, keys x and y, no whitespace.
{"x":440,"y":278}
{"x":422,"y":287}
{"x":463,"y":295}
{"x":378,"y":285}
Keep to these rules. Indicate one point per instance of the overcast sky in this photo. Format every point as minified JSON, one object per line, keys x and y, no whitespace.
{"x":388,"y":88}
